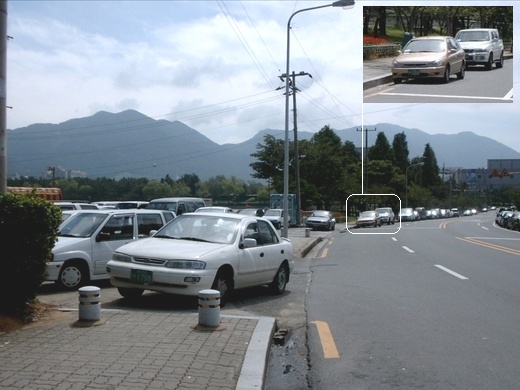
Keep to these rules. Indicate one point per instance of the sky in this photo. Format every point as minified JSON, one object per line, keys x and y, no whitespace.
{"x":215,"y":66}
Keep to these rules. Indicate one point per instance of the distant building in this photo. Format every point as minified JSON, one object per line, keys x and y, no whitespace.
{"x":498,"y":174}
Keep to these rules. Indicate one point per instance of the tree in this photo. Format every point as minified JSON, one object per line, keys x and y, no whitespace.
{"x":270,"y":160}
{"x":430,"y":169}
{"x":381,"y":150}
{"x":400,"y":148}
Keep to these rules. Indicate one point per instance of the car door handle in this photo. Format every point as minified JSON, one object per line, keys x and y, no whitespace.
{"x":262,"y":254}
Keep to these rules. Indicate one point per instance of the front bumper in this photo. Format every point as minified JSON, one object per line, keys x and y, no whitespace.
{"x":417,"y":71}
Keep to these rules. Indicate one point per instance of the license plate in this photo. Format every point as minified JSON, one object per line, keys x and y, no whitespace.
{"x":414,"y":72}
{"x":141,"y":276}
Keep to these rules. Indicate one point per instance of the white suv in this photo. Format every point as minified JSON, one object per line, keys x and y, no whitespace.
{"x":483,"y":46}
{"x":387,"y":215}
{"x":87,"y":239}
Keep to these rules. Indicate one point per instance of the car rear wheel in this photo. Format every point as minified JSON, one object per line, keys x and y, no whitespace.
{"x":280,"y":280}
{"x":130,"y":293}
{"x":73,"y":274}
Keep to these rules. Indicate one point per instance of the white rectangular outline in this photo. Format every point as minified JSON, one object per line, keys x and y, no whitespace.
{"x":346,"y":212}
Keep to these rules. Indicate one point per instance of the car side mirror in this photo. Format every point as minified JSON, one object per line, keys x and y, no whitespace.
{"x":102,"y":237}
{"x":248,"y":243}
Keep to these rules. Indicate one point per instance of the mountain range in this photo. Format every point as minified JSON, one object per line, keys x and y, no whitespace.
{"x":131,"y":144}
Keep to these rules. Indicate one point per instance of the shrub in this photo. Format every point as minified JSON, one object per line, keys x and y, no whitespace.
{"x":28,"y":231}
{"x":369,"y":40}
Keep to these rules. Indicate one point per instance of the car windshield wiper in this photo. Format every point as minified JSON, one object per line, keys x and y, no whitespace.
{"x":192,"y":239}
{"x":164,"y":236}
{"x":67,"y":235}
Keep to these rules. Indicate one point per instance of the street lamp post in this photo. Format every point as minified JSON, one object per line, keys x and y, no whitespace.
{"x":285,"y":201}
{"x":406,"y":181}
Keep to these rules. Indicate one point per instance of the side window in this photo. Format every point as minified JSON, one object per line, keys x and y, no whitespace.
{"x":266,"y":233}
{"x":148,"y":222}
{"x":252,"y":232}
{"x":181,"y":209}
{"x":190,"y":207}
{"x":119,"y":228}
{"x":199,"y":204}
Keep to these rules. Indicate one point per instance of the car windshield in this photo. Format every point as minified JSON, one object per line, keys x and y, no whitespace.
{"x":273,"y":213}
{"x":466,"y":36}
{"x":368,"y":214}
{"x":172,"y":206}
{"x":382,"y":211}
{"x":323,"y":214}
{"x":197,"y":227}
{"x":81,"y":225}
{"x":428,"y":46}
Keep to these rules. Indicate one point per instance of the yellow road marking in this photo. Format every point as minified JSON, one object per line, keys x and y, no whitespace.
{"x":490,"y":246}
{"x":327,"y":341}
{"x":324,"y":253}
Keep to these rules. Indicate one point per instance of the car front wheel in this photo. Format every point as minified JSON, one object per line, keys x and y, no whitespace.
{"x":280,"y":280}
{"x":73,"y":275}
{"x":500,"y":63}
{"x":489,"y":64}
{"x":462,"y":71}
{"x":447,"y":70}
{"x":224,"y":285}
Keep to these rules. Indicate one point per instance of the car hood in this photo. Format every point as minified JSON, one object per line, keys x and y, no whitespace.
{"x":166,"y":248}
{"x":407,"y":58}
{"x":475,"y":45}
{"x":364,"y":219}
{"x":64,"y":244}
{"x":317,"y":219}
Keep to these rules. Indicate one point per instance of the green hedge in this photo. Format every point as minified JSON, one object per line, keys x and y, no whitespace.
{"x":28,"y":231}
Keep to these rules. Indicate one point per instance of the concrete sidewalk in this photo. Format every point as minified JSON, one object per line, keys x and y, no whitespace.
{"x":138,"y":349}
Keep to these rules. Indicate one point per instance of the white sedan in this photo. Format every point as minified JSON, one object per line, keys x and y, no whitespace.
{"x":198,"y":251}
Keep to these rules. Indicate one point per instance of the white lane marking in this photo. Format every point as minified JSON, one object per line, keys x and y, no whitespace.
{"x":408,"y":249}
{"x":446,"y":96}
{"x":485,"y":228}
{"x":393,"y":238}
{"x":451,"y":272}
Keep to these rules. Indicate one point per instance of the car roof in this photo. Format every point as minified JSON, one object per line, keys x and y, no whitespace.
{"x":119,"y":211}
{"x":224,"y":215}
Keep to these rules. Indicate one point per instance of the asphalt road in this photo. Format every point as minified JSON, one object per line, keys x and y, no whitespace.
{"x":434,"y":306}
{"x":478,"y":86}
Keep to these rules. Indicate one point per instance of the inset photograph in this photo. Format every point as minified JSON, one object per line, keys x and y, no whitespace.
{"x":425,"y":54}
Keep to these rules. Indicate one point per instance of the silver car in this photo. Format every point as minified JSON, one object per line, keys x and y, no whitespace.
{"x":427,"y":57}
{"x":197,"y":251}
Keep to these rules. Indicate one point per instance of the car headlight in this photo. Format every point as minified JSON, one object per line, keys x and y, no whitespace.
{"x":435,"y":63}
{"x":396,"y":63}
{"x":121,"y":257}
{"x":185,"y":264}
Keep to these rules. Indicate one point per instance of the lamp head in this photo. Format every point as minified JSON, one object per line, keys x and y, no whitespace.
{"x":345,"y":4}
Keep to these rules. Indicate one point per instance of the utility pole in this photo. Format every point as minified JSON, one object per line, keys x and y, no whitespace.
{"x":296,"y":152}
{"x":3,"y":122}
{"x":364,"y":151}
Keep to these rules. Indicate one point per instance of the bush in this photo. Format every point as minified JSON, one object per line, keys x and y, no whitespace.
{"x":28,"y":231}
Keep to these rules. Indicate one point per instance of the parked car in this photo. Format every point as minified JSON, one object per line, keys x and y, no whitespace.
{"x":87,"y":239}
{"x":427,"y":57}
{"x":178,"y":205}
{"x":76,"y":206}
{"x":455,"y":212}
{"x":251,"y":211}
{"x":214,"y":209}
{"x":407,"y":214}
{"x":368,"y":218}
{"x":387,"y":215}
{"x":482,"y":46}
{"x":503,"y":217}
{"x":198,"y":251}
{"x":276,"y":217}
{"x":132,"y":204}
{"x":321,"y":220}
{"x":513,"y":222}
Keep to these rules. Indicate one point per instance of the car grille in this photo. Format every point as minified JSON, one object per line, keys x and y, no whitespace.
{"x":147,"y":260}
{"x":415,"y":65}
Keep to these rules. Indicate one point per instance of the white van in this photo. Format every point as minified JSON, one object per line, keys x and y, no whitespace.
{"x":87,"y":239}
{"x":177,"y":205}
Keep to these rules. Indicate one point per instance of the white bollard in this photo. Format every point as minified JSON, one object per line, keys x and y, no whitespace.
{"x":89,"y":303}
{"x":307,"y":232}
{"x":209,"y":308}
